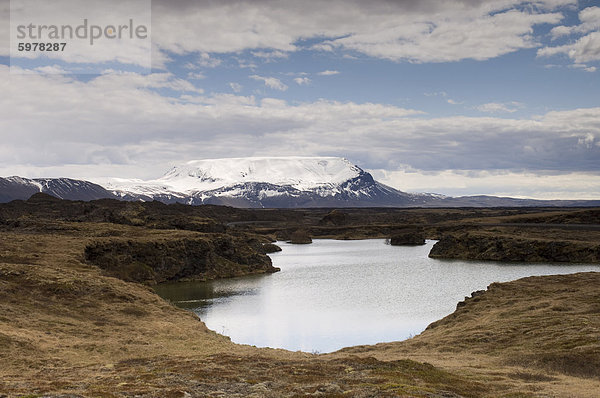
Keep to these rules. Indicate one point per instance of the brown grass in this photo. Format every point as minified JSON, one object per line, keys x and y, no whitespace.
{"x":65,"y":328}
{"x":537,"y":331}
{"x":68,"y":329}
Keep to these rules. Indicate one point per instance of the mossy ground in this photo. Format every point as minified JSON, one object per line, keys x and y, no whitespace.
{"x":68,"y":329}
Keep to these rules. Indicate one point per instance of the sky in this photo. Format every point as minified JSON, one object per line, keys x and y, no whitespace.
{"x":455,"y":97}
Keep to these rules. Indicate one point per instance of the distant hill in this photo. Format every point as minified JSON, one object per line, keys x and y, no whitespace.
{"x":12,"y":188}
{"x":264,"y":182}
{"x":496,"y":201}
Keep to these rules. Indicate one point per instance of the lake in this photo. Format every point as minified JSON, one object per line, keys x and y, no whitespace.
{"x":333,"y":294}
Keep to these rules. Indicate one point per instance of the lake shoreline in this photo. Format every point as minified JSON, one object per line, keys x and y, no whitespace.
{"x":384,"y":286}
{"x":69,"y":328}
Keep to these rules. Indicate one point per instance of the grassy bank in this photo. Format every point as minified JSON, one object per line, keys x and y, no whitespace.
{"x":70,"y":327}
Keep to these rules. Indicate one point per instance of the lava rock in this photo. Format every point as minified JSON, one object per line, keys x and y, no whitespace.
{"x":409,"y":238}
{"x":300,"y":237}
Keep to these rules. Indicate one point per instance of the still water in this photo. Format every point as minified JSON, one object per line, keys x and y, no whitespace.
{"x":332,"y":294}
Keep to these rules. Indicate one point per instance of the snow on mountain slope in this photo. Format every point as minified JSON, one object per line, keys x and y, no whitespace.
{"x":12,"y":188}
{"x":258,"y":182}
{"x":265,"y":182}
{"x":301,"y":173}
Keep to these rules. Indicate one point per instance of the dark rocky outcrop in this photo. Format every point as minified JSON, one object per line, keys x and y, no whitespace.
{"x":177,"y":259}
{"x":408,"y":238}
{"x":335,"y":217}
{"x":300,"y":237}
{"x":505,"y":248}
{"x":269,"y":248}
{"x":154,"y":215}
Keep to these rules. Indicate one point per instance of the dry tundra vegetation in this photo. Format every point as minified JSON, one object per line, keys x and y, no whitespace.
{"x":78,"y":316}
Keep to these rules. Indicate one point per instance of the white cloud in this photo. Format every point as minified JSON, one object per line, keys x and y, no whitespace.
{"x":236,"y":87}
{"x":271,"y":82}
{"x":4,"y":28}
{"x":50,"y":70}
{"x":424,"y":31}
{"x":302,"y":80}
{"x":474,"y":34}
{"x":585,"y":49}
{"x":436,"y":94}
{"x":196,"y":76}
{"x":559,"y":31}
{"x":133,"y":51}
{"x":328,"y":73}
{"x":454,"y":102}
{"x":205,"y":60}
{"x":121,"y":119}
{"x":584,"y":67}
{"x":497,"y":107}
{"x":590,"y":21}
{"x":541,"y":185}
{"x":245,"y":64}
{"x":270,"y":55}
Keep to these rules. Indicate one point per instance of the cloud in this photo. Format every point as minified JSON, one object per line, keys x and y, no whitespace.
{"x":454,"y":102}
{"x":574,"y":185}
{"x":236,"y":87}
{"x":585,"y":49}
{"x":196,"y":76}
{"x":436,"y":94}
{"x":123,"y":119}
{"x":470,"y":36}
{"x":245,"y":64}
{"x":302,"y":80}
{"x":4,"y":28}
{"x":270,"y":56}
{"x":204,"y":60}
{"x":586,"y":68}
{"x":79,"y":54}
{"x":328,"y":73}
{"x":424,"y":31}
{"x":590,"y":21}
{"x":271,"y":82}
{"x":497,"y":107}
{"x":50,"y":70}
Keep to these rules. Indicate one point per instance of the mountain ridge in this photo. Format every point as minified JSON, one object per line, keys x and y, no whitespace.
{"x":20,"y":188}
{"x":260,"y":182}
{"x":267,"y":182}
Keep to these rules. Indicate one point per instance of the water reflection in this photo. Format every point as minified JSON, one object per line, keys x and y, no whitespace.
{"x":197,"y":295}
{"x":333,"y":294}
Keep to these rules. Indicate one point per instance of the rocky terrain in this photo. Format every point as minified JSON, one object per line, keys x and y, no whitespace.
{"x":472,"y":246}
{"x":76,"y":321}
{"x":300,"y":237}
{"x":173,"y":259}
{"x":410,"y":237}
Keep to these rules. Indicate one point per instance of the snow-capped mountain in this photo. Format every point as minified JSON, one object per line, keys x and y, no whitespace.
{"x":267,"y":182}
{"x":270,"y":182}
{"x":12,"y":188}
